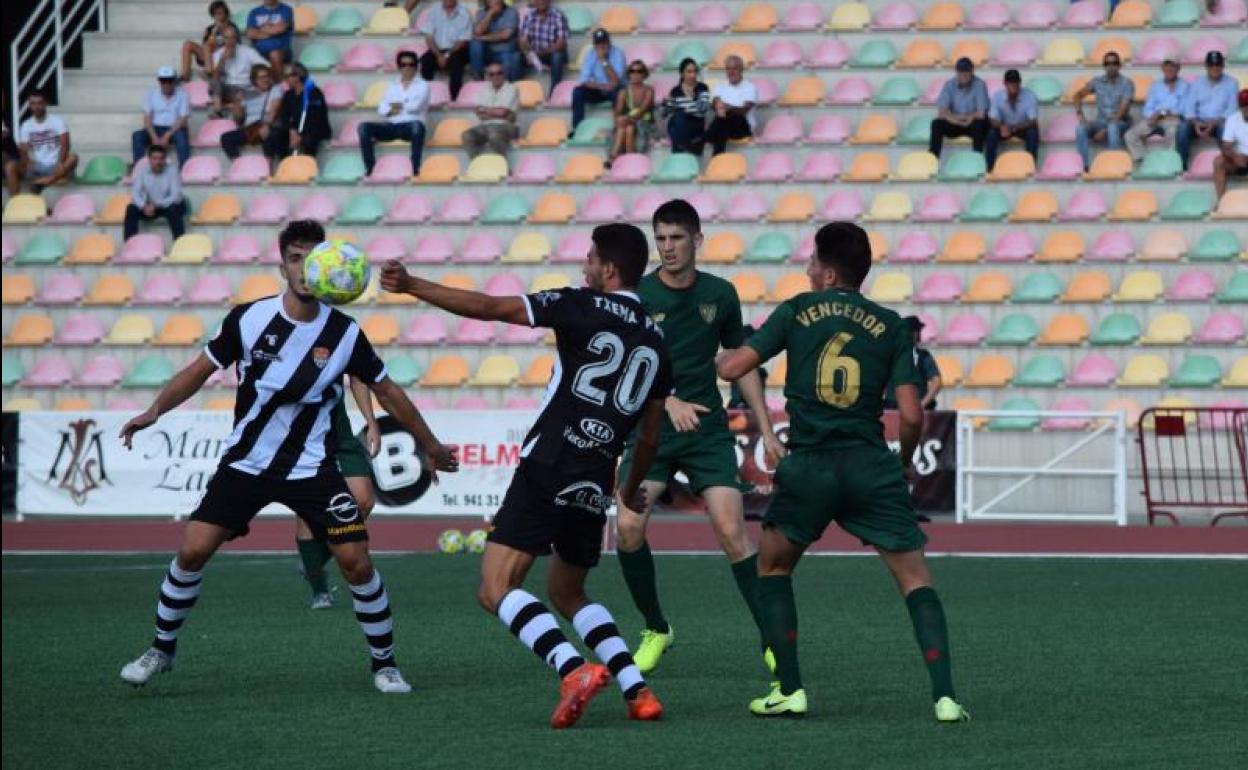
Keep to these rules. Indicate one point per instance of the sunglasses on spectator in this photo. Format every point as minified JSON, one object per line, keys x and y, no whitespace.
{"x":407,"y":63}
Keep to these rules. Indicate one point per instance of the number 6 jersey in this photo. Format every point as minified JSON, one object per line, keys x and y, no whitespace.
{"x":611,"y":361}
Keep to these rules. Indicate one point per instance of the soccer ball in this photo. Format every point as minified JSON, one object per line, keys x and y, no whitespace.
{"x":336,"y":271}
{"x":475,"y":541}
{"x":451,"y":541}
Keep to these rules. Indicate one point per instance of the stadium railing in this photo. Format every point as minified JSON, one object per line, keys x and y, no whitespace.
{"x":1194,"y":460}
{"x":38,"y":49}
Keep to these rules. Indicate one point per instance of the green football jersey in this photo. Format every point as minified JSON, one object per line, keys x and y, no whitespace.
{"x":843,"y":350}
{"x":696,"y":322}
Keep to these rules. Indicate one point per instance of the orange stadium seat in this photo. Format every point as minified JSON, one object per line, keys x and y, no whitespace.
{"x":750,"y":287}
{"x":92,"y":249}
{"x":110,"y":289}
{"x":180,"y":331}
{"x":113,"y":212}
{"x":951,"y":373}
{"x":726,"y":168}
{"x":988,"y":288}
{"x":449,"y":371}
{"x":30,"y":329}
{"x":1061,"y":246}
{"x":254,"y":287}
{"x":789,"y":286}
{"x":867,"y":167}
{"x":1065,"y":329}
{"x":990,"y":371}
{"x":723,"y":248}
{"x":381,"y":329}
{"x":539,"y":371}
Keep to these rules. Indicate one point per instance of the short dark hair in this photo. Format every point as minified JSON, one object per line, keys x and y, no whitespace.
{"x":42,"y":94}
{"x":300,"y":231}
{"x":256,"y":69}
{"x":218,"y":4}
{"x":404,"y":54}
{"x":624,"y":246}
{"x":1012,"y":76}
{"x":680,"y":212}
{"x":844,"y":247}
{"x":153,"y":149}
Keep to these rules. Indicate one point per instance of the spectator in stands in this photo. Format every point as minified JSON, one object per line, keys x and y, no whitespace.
{"x":1162,"y":111}
{"x":543,"y":39}
{"x":602,"y":75}
{"x":1209,"y":101}
{"x":230,"y":74}
{"x":494,"y":39}
{"x":155,"y":191}
{"x":930,"y":381}
{"x":685,"y":108}
{"x":1113,"y":108}
{"x":1014,"y":114}
{"x":405,"y":107}
{"x":44,"y":156}
{"x":166,"y":112}
{"x":962,"y":109}
{"x":447,"y":29}
{"x":8,"y":146}
{"x":634,"y":114}
{"x":302,"y":118}
{"x":733,"y":103}
{"x":255,"y":112}
{"x":271,"y":29}
{"x":212,"y":39}
{"x":497,"y":106}
{"x":1234,"y":158}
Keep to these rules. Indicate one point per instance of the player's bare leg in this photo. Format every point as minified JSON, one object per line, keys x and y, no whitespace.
{"x":372,"y":610}
{"x":178,"y":593}
{"x":314,"y":554}
{"x":726,"y":509}
{"x":777,"y":558}
{"x":914,"y":581}
{"x":637,"y":565}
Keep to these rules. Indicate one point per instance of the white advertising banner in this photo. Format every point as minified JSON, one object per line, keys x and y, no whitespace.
{"x":72,"y":463}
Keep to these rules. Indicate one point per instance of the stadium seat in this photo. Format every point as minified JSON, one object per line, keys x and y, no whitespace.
{"x":1016,"y":52}
{"x":8,"y":247}
{"x":528,"y":248}
{"x":190,"y":249}
{"x":1168,"y":329}
{"x":990,"y":371}
{"x":1189,"y":205}
{"x":964,"y":329}
{"x":362,"y":209}
{"x":1038,"y":288}
{"x":448,"y":371}
{"x":867,"y":167}
{"x":110,"y":289}
{"x":828,"y":54}
{"x":1095,"y":370}
{"x":1112,"y":246}
{"x":986,"y":206}
{"x":553,"y":208}
{"x":381,"y":329}
{"x":688,"y":49}
{"x":385,"y":247}
{"x":390,"y":170}
{"x":723,"y":247}
{"x":962,"y":166}
{"x":772,"y":248}
{"x":849,"y":17}
{"x":895,"y":16}
{"x":218,"y":209}
{"x":508,"y":208}
{"x":964,"y":246}
{"x":30,"y":329}
{"x":802,"y":92}
{"x":72,"y":209}
{"x":747,"y":206}
{"x":802,"y":17}
{"x":486,"y":168}
{"x":725,"y":168}
{"x":162,"y":288}
{"x":664,"y":19}
{"x":629,"y":168}
{"x":100,"y":372}
{"x":990,"y":288}
{"x":41,"y":248}
{"x":180,"y":331}
{"x":581,"y":169}
{"x":915,"y":247}
{"x":790,"y":285}
{"x":1160,"y":164}
{"x":843,"y":205}
{"x":1061,"y":246}
{"x":1064,"y":329}
{"x":1221,"y":328}
{"x":756,"y":18}
{"x":141,"y":249}
{"x":744,"y":51}
{"x":939,"y":288}
{"x":874,"y":54}
{"x":1013,"y":166}
{"x":548,"y":282}
{"x":941,"y":16}
{"x":781,"y":54}
{"x":888,"y":207}
{"x":104,"y":170}
{"x":1062,"y":52}
{"x":24,"y":209}
{"x":940,"y":206}
{"x":480,"y":249}
{"x":751,"y":287}
{"x":1021,"y":422}
{"x":254,"y":287}
{"x":1140,"y":286}
{"x":1116,"y":330}
{"x":1163,"y":246}
{"x":573,"y":247}
{"x":131,"y":329}
{"x":20,"y":289}
{"x":848,"y":91}
{"x":677,"y":167}
{"x":49,"y":371}
{"x":538,"y":372}
{"x":499,"y":370}
{"x":975,"y":49}
{"x":209,"y":289}
{"x":1110,"y":166}
{"x":1233,"y":205}
{"x":1089,"y":286}
{"x":1043,"y":371}
{"x":1236,"y":289}
{"x":1035,"y":206}
{"x":1144,"y":371}
{"x":433,"y":248}
{"x":1089,"y":17}
{"x":387,"y":21}
{"x":916,"y":167}
{"x":1085,"y":205}
{"x":79,"y":330}
{"x":1014,"y":329}
{"x":1238,"y":376}
{"x":425,"y":329}
{"x":1061,"y":166}
{"x":149,"y":372}
{"x":1197,"y":371}
{"x":921,"y":53}
{"x":1131,"y":14}
{"x":772,"y":167}
{"x":1134,"y":206}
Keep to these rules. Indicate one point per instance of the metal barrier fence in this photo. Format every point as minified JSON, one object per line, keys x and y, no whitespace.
{"x":1194,"y":460}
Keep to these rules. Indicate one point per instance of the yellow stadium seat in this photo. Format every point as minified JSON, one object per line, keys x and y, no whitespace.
{"x":539,"y":371}
{"x":1061,"y":246}
{"x":219,"y":209}
{"x":1163,"y":246}
{"x":727,"y":167}
{"x":180,"y":331}
{"x":110,"y":289}
{"x":1105,"y":45}
{"x":581,"y":169}
{"x":889,"y":207}
{"x":190,"y":249}
{"x":750,"y":287}
{"x":1065,"y":329}
{"x":1013,"y":166}
{"x":30,"y":329}
{"x":1238,"y":376}
{"x":113,"y":212}
{"x":951,"y":373}
{"x":254,"y":287}
{"x":875,"y":129}
{"x":975,"y":49}
{"x":1145,"y":371}
{"x":848,"y":17}
{"x":388,"y":21}
{"x":24,"y":209}
{"x":305,"y":20}
{"x":942,"y":16}
{"x":1089,"y":286}
{"x":867,"y":167}
{"x":792,"y":207}
{"x":295,"y":169}
{"x":1062,"y":52}
{"x":1140,"y":286}
{"x":530,"y":94}
{"x":916,"y":167}
{"x":891,"y":287}
{"x":963,"y":246}
{"x":990,"y":371}
{"x":756,"y":17}
{"x":553,"y":208}
{"x":923,"y":53}
{"x":72,"y":404}
{"x":723,"y":248}
{"x":1233,"y":205}
{"x":18,"y":289}
{"x":1110,"y":166}
{"x":22,"y":404}
{"x":992,"y":288}
{"x":91,"y":249}
{"x":372,"y":96}
{"x":450,"y":133}
{"x":500,"y":370}
{"x":1134,"y":206}
{"x":487,"y":168}
{"x":545,"y":132}
{"x":131,"y":329}
{"x":549,"y":282}
{"x":743,"y":50}
{"x":438,"y":169}
{"x":528,"y":248}
{"x":879,"y":245}
{"x":619,"y":19}
{"x":458,"y":281}
{"x":789,"y":286}
{"x":778,"y":372}
{"x":802,"y":92}
{"x":449,"y":371}
{"x":1131,"y":14}
{"x":1168,"y":329}
{"x":1035,"y":206}
{"x":381,"y":329}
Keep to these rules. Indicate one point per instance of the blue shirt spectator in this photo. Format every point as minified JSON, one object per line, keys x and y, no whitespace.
{"x":1211,"y":99}
{"x":964,"y":99}
{"x":1024,"y":109}
{"x":1166,"y":98}
{"x":594,"y":72}
{"x":271,"y":27}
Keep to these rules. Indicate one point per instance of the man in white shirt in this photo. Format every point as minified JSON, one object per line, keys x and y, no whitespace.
{"x":404,"y":106}
{"x":155,"y":191}
{"x":43,"y":150}
{"x":230,"y":73}
{"x":1234,"y":158}
{"x":166,"y":111}
{"x":496,"y":109}
{"x":733,"y":103}
{"x":447,"y":29}
{"x":255,"y":112}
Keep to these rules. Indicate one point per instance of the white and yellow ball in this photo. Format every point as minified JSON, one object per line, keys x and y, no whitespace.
{"x":475,"y":541}
{"x":337,"y":271}
{"x":451,"y":541}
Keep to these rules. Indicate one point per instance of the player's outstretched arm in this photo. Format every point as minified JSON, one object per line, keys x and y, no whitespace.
{"x":910,"y":421}
{"x":184,"y":384}
{"x":469,"y":304}
{"x":363,"y":399}
{"x":734,"y":363}
{"x":438,"y":457}
{"x":643,"y":455}
{"x":751,"y":384}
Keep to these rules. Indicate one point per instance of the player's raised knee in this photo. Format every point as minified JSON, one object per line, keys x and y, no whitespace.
{"x":357,"y":569}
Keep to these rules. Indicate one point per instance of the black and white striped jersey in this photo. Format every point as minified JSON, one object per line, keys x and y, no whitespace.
{"x":289,"y":381}
{"x":612,"y":360}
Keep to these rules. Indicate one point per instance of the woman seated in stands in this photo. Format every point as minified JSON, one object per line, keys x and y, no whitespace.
{"x":685,"y":109}
{"x":634,"y":114}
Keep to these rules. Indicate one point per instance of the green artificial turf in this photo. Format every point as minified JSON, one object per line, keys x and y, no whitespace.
{"x":1062,"y":663}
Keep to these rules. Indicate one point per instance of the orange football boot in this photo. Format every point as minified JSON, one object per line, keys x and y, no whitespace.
{"x":575,"y":692}
{"x":645,"y":707}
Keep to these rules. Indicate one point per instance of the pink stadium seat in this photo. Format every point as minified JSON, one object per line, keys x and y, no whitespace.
{"x":942,"y":206}
{"x":521,"y":402}
{"x":842,"y":205}
{"x":470,"y":92}
{"x":1112,"y":246}
{"x":272,"y":255}
{"x":1087,"y":14}
{"x":383,"y":248}
{"x":1012,"y":246}
{"x":470,"y":403}
{"x":746,"y":206}
{"x":603,"y":206}
{"x":73,"y":209}
{"x":433,"y":248}
{"x":101,"y":372}
{"x":829,"y":129}
{"x":895,"y":16}
{"x":931,"y":325}
{"x":123,"y":404}
{"x":348,"y":135}
{"x":209,"y":134}
{"x":781,"y":129}
{"x":267,"y":209}
{"x":573,"y":247}
{"x":1201,"y":166}
{"x":49,"y":371}
{"x":505,"y":284}
{"x":773,"y":167}
{"x":424,"y":329}
{"x":663,"y":19}
{"x":915,"y":247}
{"x":197,"y":93}
{"x":237,"y":249}
{"x":1196,"y":50}
{"x":768,"y":91}
{"x":159,"y":289}
{"x":409,"y":209}
{"x":1068,"y":404}
{"x":61,"y":289}
{"x":318,"y":206}
{"x":709,"y":18}
{"x":480,"y":248}
{"x":339,"y":94}
{"x":828,"y":55}
{"x":965,"y":329}
{"x":820,"y":167}
{"x":1219,"y":421}
{"x":630,"y":168}
{"x":1061,"y":166}
{"x":209,"y":289}
{"x":246,"y":169}
{"x":650,"y":53}
{"x":644,"y":206}
{"x":458,"y":208}
{"x":513,"y":334}
{"x":1084,"y":206}
{"x":1158,"y":48}
{"x":535,"y":168}
{"x":1228,"y":13}
{"x":802,"y":17}
{"x":939,"y":287}
{"x":470,"y":331}
{"x":363,"y":57}
{"x":9,"y":246}
{"x":80,"y":330}
{"x":706,"y":204}
{"x":781,"y":54}
{"x":1015,"y":52}
{"x":852,"y":90}
{"x":440,"y":94}
{"x":988,"y":15}
{"x":561,"y":94}
{"x":1095,"y":370}
{"x":391,"y":170}
{"x":427,"y":403}
{"x":932,"y":91}
{"x":1036,"y":14}
{"x":1221,"y":328}
{"x":141,"y":249}
{"x":1194,"y":285}
{"x":663,"y":84}
{"x":1060,"y":128}
{"x":804,"y":251}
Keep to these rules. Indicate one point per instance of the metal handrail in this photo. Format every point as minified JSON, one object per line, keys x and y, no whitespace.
{"x":29,"y":64}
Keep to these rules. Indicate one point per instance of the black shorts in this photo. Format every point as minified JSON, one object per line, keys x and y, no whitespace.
{"x":324,"y":502}
{"x":546,"y":509}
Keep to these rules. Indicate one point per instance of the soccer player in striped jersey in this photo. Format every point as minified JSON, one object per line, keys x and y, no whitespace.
{"x":612,"y":373}
{"x":291,"y":352}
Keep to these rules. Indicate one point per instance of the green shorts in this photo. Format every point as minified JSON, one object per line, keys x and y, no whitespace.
{"x":707,"y":456}
{"x":353,"y":461}
{"x":859,"y":486}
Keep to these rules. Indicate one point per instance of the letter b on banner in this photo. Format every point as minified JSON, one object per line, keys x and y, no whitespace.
{"x":399,"y":467}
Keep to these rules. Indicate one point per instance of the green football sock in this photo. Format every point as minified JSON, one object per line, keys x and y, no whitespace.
{"x":638,"y":569}
{"x":928,"y":617}
{"x":314,"y":554}
{"x":745,"y":572}
{"x":778,"y":610}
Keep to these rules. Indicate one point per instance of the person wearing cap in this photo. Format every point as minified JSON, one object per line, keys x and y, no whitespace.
{"x":602,"y":76}
{"x":1209,"y":101}
{"x":930,"y":381}
{"x":1113,"y":94}
{"x":1234,"y":158}
{"x":962,"y":109}
{"x":404,"y":108}
{"x":302,"y":118}
{"x":447,"y":28}
{"x":494,"y":39}
{"x":543,"y":39}
{"x":1014,"y":114}
{"x":271,"y":29}
{"x":166,"y":111}
{"x":155,"y":191}
{"x":1162,"y":110}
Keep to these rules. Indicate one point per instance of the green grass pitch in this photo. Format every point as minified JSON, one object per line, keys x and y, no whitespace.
{"x":1062,"y":663}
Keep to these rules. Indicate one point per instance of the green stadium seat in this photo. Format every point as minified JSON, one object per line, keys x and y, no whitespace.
{"x":1045,"y":371}
{"x":103,"y":169}
{"x":677,"y":167}
{"x":1176,"y":13}
{"x":1016,"y":423}
{"x":962,"y":166}
{"x":874,"y":54}
{"x":1047,"y":88}
{"x":1240,"y":54}
{"x":1236,"y":290}
{"x":1160,"y":164}
{"x":579,"y":20}
{"x":365,"y":209}
{"x":916,"y":132}
{"x":898,"y":91}
{"x":342,"y":20}
{"x":1215,"y":246}
{"x":688,"y":49}
{"x":1039,"y":288}
{"x":12,"y":370}
{"x":771,"y":248}
{"x":149,"y":372}
{"x":591,"y":132}
{"x":509,"y":208}
{"x":1188,"y":205}
{"x":342,"y":169}
{"x":1197,"y":371}
{"x":404,"y":370}
{"x":988,"y":205}
{"x":1015,"y":329}
{"x":42,"y":249}
{"x":1117,"y":329}
{"x":319,"y":57}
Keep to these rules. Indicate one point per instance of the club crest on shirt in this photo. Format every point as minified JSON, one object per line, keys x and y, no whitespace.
{"x":708,"y":312}
{"x":658,"y":317}
{"x":271,"y":339}
{"x":320,"y":357}
{"x":545,"y":298}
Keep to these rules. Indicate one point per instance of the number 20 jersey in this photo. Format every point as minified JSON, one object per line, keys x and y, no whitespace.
{"x":611,"y":361}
